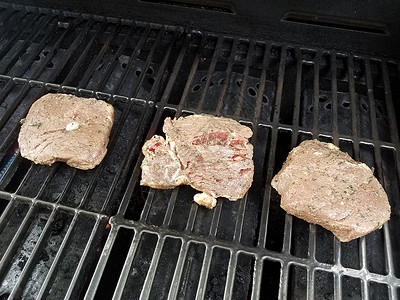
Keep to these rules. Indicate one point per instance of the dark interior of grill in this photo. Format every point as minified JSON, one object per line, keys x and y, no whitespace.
{"x":289,"y":72}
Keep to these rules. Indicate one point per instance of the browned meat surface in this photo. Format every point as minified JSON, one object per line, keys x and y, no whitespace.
{"x":66,"y":128}
{"x":214,"y":156}
{"x":323,"y":185}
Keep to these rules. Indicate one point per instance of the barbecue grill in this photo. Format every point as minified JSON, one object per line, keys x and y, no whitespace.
{"x":290,"y":75}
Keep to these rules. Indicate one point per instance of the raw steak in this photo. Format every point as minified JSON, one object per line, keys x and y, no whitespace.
{"x":211,"y":154}
{"x":323,"y":185}
{"x":66,"y":128}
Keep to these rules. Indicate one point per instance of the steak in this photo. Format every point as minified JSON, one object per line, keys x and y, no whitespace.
{"x":323,"y":185}
{"x":66,"y":128}
{"x":211,"y":154}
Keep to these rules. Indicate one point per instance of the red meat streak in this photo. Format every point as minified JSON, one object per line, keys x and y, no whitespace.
{"x":213,"y":138}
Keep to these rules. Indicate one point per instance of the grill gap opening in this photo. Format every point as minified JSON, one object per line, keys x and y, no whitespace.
{"x":324,"y":245}
{"x":306,"y":97}
{"x":165,"y":269}
{"x":183,"y":204}
{"x":136,"y":202}
{"x":194,"y":49}
{"x":336,"y":22}
{"x":114,"y":264}
{"x":191,"y":271}
{"x":382,"y":117}
{"x":71,"y":257}
{"x":242,"y":285}
{"x":300,"y":232}
{"x":270,"y":282}
{"x":350,"y":254}
{"x":159,"y":204}
{"x":297,"y":282}
{"x":391,"y":186}
{"x":289,"y":88}
{"x":323,"y":285}
{"x":3,"y":205}
{"x":276,"y":221}
{"x":378,"y":290}
{"x":139,"y":268}
{"x":228,"y":219}
{"x":257,"y":192}
{"x":351,"y":288}
{"x":217,"y":274}
{"x":19,"y":174}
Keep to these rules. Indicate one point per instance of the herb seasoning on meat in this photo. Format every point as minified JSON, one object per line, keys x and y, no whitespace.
{"x":66,"y":128}
{"x":211,"y":154}
{"x":323,"y":185}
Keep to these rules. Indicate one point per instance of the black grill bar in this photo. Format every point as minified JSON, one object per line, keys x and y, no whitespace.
{"x":94,"y":283}
{"x":389,"y":104}
{"x":173,"y":292}
{"x":110,"y":67}
{"x":160,"y":74}
{"x":175,"y":71}
{"x":170,"y":207}
{"x":335,"y":128}
{"x":316,"y":93}
{"x":145,"y":294}
{"x":377,"y":150}
{"x":50,"y":275}
{"x":72,"y":293}
{"x":128,"y":156}
{"x":201,"y":290}
{"x":32,"y":259}
{"x":149,"y":58}
{"x":16,"y":241}
{"x":26,"y":24}
{"x":95,"y":62}
{"x":240,"y":97}
{"x":363,"y":262}
{"x":81,"y":58}
{"x":230,"y":276}
{"x":132,"y":59}
{"x":48,"y":25}
{"x":8,"y":113}
{"x":210,"y":72}
{"x":228,"y":75}
{"x":127,"y":265}
{"x":190,"y":77}
{"x":354,"y":110}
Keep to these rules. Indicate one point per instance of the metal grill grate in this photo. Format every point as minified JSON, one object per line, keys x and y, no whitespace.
{"x":55,"y":239}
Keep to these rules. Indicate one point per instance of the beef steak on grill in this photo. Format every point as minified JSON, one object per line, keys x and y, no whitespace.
{"x":323,"y":185}
{"x":211,"y":154}
{"x":66,"y":128}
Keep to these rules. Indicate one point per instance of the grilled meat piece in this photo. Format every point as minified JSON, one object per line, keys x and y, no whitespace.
{"x":323,"y":185}
{"x":161,"y":168}
{"x":214,"y":156}
{"x":66,"y":128}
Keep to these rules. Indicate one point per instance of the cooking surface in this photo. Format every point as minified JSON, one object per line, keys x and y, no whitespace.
{"x":67,"y":233}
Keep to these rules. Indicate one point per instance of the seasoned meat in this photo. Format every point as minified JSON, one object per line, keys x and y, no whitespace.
{"x":66,"y":128}
{"x":323,"y":185}
{"x":161,"y":167}
{"x":214,"y":157}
